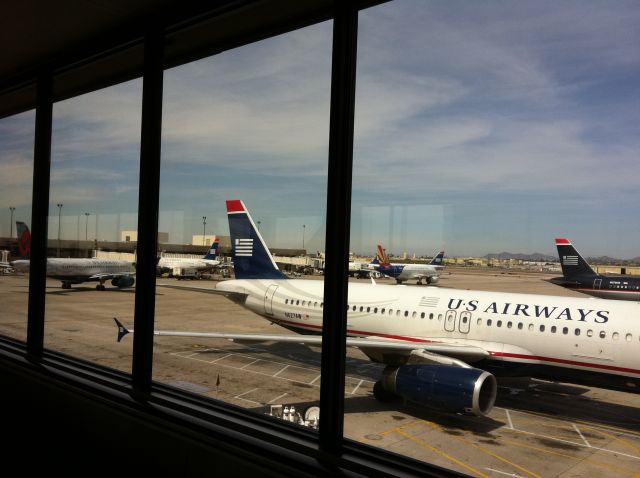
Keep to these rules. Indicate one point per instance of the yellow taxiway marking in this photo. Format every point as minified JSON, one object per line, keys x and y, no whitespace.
{"x":463,"y":440}
{"x":439,"y":452}
{"x":613,"y":437}
{"x":602,"y":464}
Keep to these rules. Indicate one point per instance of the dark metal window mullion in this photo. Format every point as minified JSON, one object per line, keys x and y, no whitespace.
{"x":343,"y":78}
{"x":148,"y":204}
{"x":40,"y":214}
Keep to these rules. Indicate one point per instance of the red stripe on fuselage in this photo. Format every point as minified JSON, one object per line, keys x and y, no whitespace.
{"x":493,"y":354}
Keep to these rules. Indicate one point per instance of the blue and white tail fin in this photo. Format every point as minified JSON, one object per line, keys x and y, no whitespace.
{"x":251,"y":256}
{"x":212,"y":253}
{"x":438,"y":260}
{"x":571,"y":261}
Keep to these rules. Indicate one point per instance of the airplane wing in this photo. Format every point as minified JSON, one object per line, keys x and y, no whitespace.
{"x":429,"y":352}
{"x":110,"y":275}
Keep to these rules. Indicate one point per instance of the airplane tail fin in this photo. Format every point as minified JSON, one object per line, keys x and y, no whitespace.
{"x":438,"y":260}
{"x":382,"y":256}
{"x":251,"y":256}
{"x":571,"y":261}
{"x":213,"y":251}
{"x":24,"y":239}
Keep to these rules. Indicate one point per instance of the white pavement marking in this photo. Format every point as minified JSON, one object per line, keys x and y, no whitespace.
{"x":357,"y":387}
{"x":314,"y":380}
{"x":509,"y":418}
{"x":504,"y":473}
{"x":281,"y":370}
{"x":255,"y":361}
{"x":581,"y":435}
{"x":245,"y":393}
{"x":277,"y":398}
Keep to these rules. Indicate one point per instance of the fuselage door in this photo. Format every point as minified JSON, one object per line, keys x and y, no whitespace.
{"x":450,"y":321}
{"x":464,"y":322}
{"x":268,"y":299}
{"x":597,"y":283}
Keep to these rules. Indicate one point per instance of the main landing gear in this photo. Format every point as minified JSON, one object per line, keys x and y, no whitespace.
{"x":100,"y":287}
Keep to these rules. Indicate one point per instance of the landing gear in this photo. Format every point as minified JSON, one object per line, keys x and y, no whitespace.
{"x":66,"y":285}
{"x":398,"y":281}
{"x":100,"y":287}
{"x":419,"y":282}
{"x":381,"y":394}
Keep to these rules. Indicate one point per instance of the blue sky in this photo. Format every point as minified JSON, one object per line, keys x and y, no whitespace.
{"x":480,"y":127}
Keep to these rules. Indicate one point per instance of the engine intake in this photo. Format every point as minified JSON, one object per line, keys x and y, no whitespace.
{"x":123,"y":281}
{"x":445,"y":387}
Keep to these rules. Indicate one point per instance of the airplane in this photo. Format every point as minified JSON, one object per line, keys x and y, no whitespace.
{"x":206,"y":263}
{"x":404,"y":272}
{"x":443,"y":347}
{"x":76,"y":270}
{"x":579,"y":276}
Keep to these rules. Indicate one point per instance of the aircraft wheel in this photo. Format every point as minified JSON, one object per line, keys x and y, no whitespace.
{"x":381,"y":394}
{"x":100,"y":287}
{"x":398,"y":281}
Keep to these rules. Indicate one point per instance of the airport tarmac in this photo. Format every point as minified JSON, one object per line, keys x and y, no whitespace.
{"x":536,"y":429}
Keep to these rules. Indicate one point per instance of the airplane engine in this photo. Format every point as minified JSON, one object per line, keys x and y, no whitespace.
{"x":433,"y":280}
{"x":123,"y":281}
{"x":445,"y":387}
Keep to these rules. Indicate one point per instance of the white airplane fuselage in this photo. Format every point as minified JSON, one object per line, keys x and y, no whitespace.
{"x":584,"y":338}
{"x":77,"y":271}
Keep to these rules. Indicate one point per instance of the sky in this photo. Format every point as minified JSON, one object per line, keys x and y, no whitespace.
{"x":480,"y":127}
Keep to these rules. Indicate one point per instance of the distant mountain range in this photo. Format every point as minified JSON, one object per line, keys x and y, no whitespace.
{"x":537,"y":256}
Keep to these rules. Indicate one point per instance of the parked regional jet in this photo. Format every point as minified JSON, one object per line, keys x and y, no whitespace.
{"x":74,"y":270}
{"x":440,"y":345}
{"x":404,"y":272}
{"x":206,"y":263}
{"x":579,"y":276}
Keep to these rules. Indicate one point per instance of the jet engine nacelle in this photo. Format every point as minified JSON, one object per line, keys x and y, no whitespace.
{"x":433,"y":280}
{"x":445,"y":387}
{"x":123,"y":281}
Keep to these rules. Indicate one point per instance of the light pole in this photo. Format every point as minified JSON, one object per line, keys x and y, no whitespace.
{"x":86,"y":225}
{"x":303,"y":228}
{"x":11,"y":208}
{"x":59,"y":223}
{"x":204,"y":228}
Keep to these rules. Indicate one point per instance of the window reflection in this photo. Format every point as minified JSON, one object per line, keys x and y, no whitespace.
{"x":249,"y":124}
{"x":16,"y":180}
{"x":484,"y":130}
{"x":92,"y":212}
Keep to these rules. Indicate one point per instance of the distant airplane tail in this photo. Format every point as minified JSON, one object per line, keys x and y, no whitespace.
{"x":571,"y":261}
{"x":212,"y":254}
{"x":24,"y":239}
{"x":251,"y":256}
{"x":382,"y":257}
{"x":438,"y":260}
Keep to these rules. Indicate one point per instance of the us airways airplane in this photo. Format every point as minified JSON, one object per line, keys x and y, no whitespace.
{"x":441,"y":346}
{"x":404,"y":272}
{"x":208,"y":262}
{"x":76,"y":271}
{"x":579,"y":276}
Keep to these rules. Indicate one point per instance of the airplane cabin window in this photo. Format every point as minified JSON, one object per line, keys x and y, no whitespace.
{"x":542,"y":328}
{"x":577,"y":332}
{"x":489,"y":321}
{"x":520,"y":325}
{"x":553,"y":329}
{"x":499,"y":323}
{"x":565,"y":330}
{"x":603,"y":334}
{"x":531,"y":327}
{"x":589,"y":333}
{"x":628,"y":337}
{"x":509,"y":324}
{"x":615,"y":336}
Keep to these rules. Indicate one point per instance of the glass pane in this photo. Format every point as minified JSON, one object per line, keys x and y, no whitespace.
{"x":250,"y":125}
{"x":16,"y":181}
{"x":487,"y":130}
{"x":95,"y":157}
